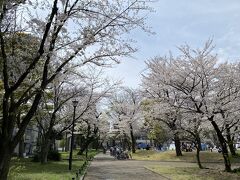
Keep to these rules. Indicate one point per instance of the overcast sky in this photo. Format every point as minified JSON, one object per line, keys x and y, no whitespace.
{"x":176,"y":22}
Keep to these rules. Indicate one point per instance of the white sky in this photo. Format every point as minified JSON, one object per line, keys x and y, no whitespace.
{"x":176,"y":22}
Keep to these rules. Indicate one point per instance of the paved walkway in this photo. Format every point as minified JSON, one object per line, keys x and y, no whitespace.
{"x":105,"y":167}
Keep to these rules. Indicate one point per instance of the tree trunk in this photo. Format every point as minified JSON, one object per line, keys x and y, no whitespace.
{"x":82,"y":149}
{"x":4,"y":166}
{"x":85,"y":145}
{"x":4,"y":159}
{"x":230,"y":141}
{"x":21,"y":148}
{"x":223,"y":144}
{"x":132,"y":139}
{"x":151,"y":142}
{"x":8,"y":142}
{"x":232,"y":148}
{"x":99,"y":145}
{"x":21,"y":142}
{"x":45,"y":150}
{"x":199,"y":148}
{"x":199,"y":144}
{"x":125,"y":142}
{"x":129,"y":146}
{"x":66,"y":143}
{"x":177,"y":145}
{"x":86,"y":153}
{"x":6,"y":150}
{"x":113,"y":142}
{"x":198,"y":158}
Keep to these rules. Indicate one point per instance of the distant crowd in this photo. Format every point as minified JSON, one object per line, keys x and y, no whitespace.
{"x":120,"y":154}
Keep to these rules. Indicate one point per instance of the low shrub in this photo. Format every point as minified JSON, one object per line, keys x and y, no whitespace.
{"x":36,"y":157}
{"x":54,"y":156}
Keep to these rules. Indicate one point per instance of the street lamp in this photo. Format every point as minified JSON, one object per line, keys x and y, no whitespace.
{"x":75,"y":103}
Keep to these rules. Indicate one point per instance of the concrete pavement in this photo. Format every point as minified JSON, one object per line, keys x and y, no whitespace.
{"x":105,"y":167}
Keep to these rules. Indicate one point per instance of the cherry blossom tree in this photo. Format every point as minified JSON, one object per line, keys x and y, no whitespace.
{"x":69,"y":33}
{"x":88,"y":129}
{"x":125,"y":110}
{"x":51,"y":118}
{"x":202,"y":85}
{"x":161,"y":99}
{"x":157,"y":131}
{"x":103,"y":129}
{"x":88,"y":117}
{"x":193,"y":125}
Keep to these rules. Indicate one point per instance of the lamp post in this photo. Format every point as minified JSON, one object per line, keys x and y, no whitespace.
{"x":75,"y":102}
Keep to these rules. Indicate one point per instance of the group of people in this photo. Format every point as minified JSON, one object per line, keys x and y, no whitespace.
{"x":187,"y":147}
{"x":119,"y":153}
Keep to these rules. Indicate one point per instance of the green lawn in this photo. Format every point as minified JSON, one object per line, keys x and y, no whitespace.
{"x":24,"y":169}
{"x":91,"y":153}
{"x":182,"y":171}
{"x":187,"y":156}
{"x":190,"y":173}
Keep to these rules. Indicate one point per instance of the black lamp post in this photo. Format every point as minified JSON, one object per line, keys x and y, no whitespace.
{"x":75,"y":103}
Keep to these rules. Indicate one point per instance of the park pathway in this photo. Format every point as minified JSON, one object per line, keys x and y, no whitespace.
{"x":105,"y":167}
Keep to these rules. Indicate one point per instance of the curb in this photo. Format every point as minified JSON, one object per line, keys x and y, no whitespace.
{"x":179,"y":161}
{"x":85,"y":171}
{"x":157,"y":173}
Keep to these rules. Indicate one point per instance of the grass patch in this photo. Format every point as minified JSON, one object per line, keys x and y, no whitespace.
{"x":189,"y":173}
{"x":187,"y":156}
{"x":25,"y":169}
{"x":91,"y":153}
